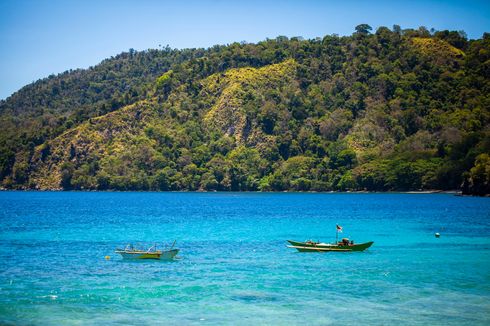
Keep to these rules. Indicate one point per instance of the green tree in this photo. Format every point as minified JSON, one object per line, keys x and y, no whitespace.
{"x":477,"y":181}
{"x":363,"y":29}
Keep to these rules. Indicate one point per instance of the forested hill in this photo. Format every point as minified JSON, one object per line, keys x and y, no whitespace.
{"x":382,"y":110}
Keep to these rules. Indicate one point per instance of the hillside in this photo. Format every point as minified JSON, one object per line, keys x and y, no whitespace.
{"x":389,"y":110}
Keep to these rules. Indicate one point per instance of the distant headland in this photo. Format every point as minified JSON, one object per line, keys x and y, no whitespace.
{"x":384,"y":110}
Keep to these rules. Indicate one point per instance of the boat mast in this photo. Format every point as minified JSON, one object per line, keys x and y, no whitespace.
{"x":337,"y":229}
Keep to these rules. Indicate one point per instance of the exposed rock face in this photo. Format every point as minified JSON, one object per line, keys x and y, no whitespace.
{"x":98,"y":138}
{"x":241,"y":93}
{"x":390,"y":110}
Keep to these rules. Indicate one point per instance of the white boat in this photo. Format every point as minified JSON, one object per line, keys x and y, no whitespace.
{"x":152,"y":253}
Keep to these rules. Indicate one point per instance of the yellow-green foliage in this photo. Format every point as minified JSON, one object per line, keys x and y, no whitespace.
{"x":100,"y":137}
{"x":231,"y":89}
{"x":467,"y":119}
{"x":388,"y":110}
{"x":164,"y":78}
{"x":295,"y":173}
{"x":298,"y":166}
{"x":434,"y":47}
{"x":369,"y":138}
{"x":478,"y":179}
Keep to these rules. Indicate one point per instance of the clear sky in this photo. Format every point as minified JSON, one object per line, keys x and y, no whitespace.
{"x":39,"y":38}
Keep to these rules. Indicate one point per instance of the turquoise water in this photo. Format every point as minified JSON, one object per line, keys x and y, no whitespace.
{"x":234,"y":267}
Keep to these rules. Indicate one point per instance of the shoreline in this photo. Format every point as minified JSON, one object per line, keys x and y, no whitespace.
{"x":409,"y":192}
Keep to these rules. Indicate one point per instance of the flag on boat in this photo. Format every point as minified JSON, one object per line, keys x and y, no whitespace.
{"x":339,"y":228}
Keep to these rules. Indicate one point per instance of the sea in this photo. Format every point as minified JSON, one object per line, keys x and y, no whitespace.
{"x":58,"y":265}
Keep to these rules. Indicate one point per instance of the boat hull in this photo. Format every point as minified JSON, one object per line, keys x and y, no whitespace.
{"x":324,"y":247}
{"x":158,"y":255}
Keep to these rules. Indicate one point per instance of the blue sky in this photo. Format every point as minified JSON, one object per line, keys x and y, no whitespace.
{"x":39,"y":38}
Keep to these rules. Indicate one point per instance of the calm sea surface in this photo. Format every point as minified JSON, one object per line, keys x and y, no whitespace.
{"x":234,"y":266}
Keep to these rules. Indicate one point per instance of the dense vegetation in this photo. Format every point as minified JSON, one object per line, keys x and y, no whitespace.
{"x":390,"y":110}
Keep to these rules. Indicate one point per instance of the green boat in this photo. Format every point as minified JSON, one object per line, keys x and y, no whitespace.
{"x":311,"y":246}
{"x":344,"y":245}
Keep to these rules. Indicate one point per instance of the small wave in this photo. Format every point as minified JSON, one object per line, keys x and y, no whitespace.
{"x":49,"y":296}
